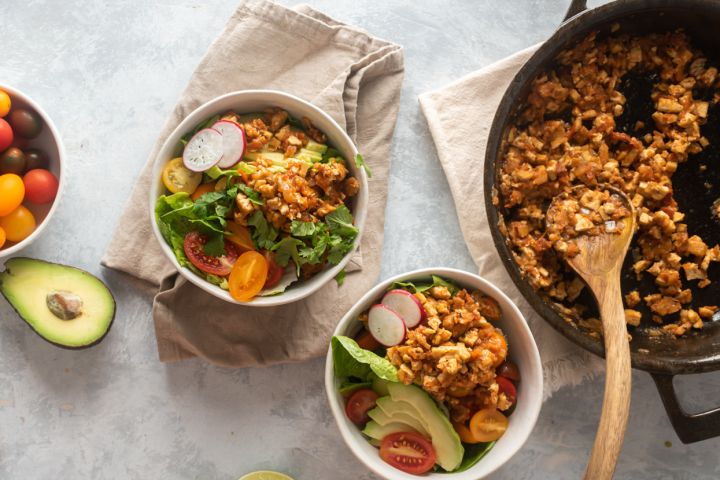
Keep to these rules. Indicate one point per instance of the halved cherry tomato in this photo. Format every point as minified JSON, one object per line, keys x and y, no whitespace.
{"x":359,"y":404}
{"x":239,"y":235}
{"x":2,"y":237}
{"x":408,"y":451}
{"x":509,"y":370}
{"x":18,"y":224}
{"x":367,"y":341}
{"x":464,"y":432}
{"x":275,"y":271}
{"x":507,"y":387}
{"x":12,"y":192}
{"x":488,"y":424}
{"x":221,"y":266}
{"x":202,"y":190}
{"x":248,"y":276}
{"x":177,"y":178}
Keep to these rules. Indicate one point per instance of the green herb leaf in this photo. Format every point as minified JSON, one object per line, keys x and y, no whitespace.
{"x":215,"y":245}
{"x":302,"y":229}
{"x":287,"y":249}
{"x":349,"y":360}
{"x":263,"y":234}
{"x":252,"y":195}
{"x":340,"y":222}
{"x":360,"y":162}
{"x":340,"y":277}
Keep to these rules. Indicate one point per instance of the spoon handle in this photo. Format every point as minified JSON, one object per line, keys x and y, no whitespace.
{"x":616,"y":400}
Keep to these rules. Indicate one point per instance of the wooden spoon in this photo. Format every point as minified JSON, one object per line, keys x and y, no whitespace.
{"x":599,"y":263}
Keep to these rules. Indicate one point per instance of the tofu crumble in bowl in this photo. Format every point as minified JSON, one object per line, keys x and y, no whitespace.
{"x":434,"y":373}
{"x":259,"y":198}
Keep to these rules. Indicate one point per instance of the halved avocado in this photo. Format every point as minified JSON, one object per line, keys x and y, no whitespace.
{"x":66,"y":306}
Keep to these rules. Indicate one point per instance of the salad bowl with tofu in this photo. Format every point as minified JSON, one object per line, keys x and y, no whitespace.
{"x":259,"y":198}
{"x":434,"y":373}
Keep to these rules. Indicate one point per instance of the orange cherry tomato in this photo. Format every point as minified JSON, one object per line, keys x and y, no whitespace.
{"x":488,"y":425}
{"x":202,"y":190}
{"x":239,"y":235}
{"x":248,"y":276}
{"x":464,"y":432}
{"x":5,"y":103}
{"x":12,"y":192}
{"x":2,"y":237}
{"x":18,"y":224}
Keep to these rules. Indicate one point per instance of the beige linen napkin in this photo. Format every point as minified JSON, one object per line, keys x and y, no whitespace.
{"x":356,"y":79}
{"x":460,"y":116}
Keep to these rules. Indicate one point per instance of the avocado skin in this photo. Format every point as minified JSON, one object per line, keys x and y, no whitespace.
{"x":65,"y":347}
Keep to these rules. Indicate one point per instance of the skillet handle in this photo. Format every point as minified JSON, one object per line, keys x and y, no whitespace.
{"x":690,"y":428}
{"x":576,"y":6}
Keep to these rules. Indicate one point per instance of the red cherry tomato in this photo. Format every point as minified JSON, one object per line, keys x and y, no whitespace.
{"x":6,"y":134}
{"x":408,"y":451}
{"x":41,"y":186}
{"x":359,"y":404}
{"x":507,"y":387}
{"x":509,"y":370}
{"x":275,"y":271}
{"x":193,"y":246}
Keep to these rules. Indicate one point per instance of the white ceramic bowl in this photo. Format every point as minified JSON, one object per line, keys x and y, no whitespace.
{"x":48,"y":141}
{"x":522,"y":351}
{"x":248,"y":101}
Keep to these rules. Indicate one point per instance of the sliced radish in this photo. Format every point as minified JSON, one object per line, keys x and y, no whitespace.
{"x":385,"y":325}
{"x":204,"y":150}
{"x":233,"y":142}
{"x":406,"y":305}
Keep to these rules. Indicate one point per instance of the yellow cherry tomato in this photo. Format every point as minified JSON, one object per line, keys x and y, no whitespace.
{"x":5,"y":103}
{"x":177,"y":178}
{"x":2,"y":237}
{"x":18,"y":224}
{"x":488,"y":424}
{"x":464,"y":433}
{"x":239,"y":235}
{"x":248,"y":276}
{"x":12,"y":192}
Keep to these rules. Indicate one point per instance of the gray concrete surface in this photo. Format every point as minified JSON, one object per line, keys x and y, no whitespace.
{"x":109,"y":72}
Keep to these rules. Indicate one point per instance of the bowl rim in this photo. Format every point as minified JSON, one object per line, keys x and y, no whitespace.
{"x":310,"y":286}
{"x":532,"y":404}
{"x":55,"y":134}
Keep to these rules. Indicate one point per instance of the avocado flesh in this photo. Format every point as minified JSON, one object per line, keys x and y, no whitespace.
{"x":383,"y":419}
{"x":377,"y":432}
{"x":413,"y":401}
{"x":26,"y":283}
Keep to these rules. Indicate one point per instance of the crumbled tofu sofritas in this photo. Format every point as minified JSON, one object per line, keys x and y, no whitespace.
{"x":454,"y":354}
{"x":568,"y":134}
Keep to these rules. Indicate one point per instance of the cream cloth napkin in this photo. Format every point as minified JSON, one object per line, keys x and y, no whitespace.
{"x":460,"y":116}
{"x":356,"y":79}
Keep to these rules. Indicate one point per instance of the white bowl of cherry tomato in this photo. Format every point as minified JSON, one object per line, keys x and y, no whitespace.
{"x":434,"y":373}
{"x":31,"y":170}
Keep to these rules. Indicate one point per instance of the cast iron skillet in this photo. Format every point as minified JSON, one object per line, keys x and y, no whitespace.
{"x":694,"y":190}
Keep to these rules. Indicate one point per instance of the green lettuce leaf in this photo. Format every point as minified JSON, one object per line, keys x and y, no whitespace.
{"x":350,"y":360}
{"x":422,"y":287}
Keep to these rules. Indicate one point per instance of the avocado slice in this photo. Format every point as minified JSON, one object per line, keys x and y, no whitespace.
{"x":376,"y":431}
{"x":66,"y":306}
{"x":414,"y":401}
{"x":379,"y":416}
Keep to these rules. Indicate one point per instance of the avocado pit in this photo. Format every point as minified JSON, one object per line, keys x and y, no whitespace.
{"x":64,"y":305}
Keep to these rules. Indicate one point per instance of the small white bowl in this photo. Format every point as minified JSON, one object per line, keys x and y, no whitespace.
{"x":248,"y":101}
{"x":48,"y":141}
{"x":522,"y":351}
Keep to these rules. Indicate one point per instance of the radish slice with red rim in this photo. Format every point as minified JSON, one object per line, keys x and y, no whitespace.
{"x":204,"y":150}
{"x":385,"y":325}
{"x":234,"y":142}
{"x":406,"y":305}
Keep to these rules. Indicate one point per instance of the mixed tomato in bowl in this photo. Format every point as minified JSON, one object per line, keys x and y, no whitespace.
{"x":26,"y":183}
{"x":258,"y":201}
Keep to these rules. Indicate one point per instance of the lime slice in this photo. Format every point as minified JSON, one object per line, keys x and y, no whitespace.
{"x":265,"y":475}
